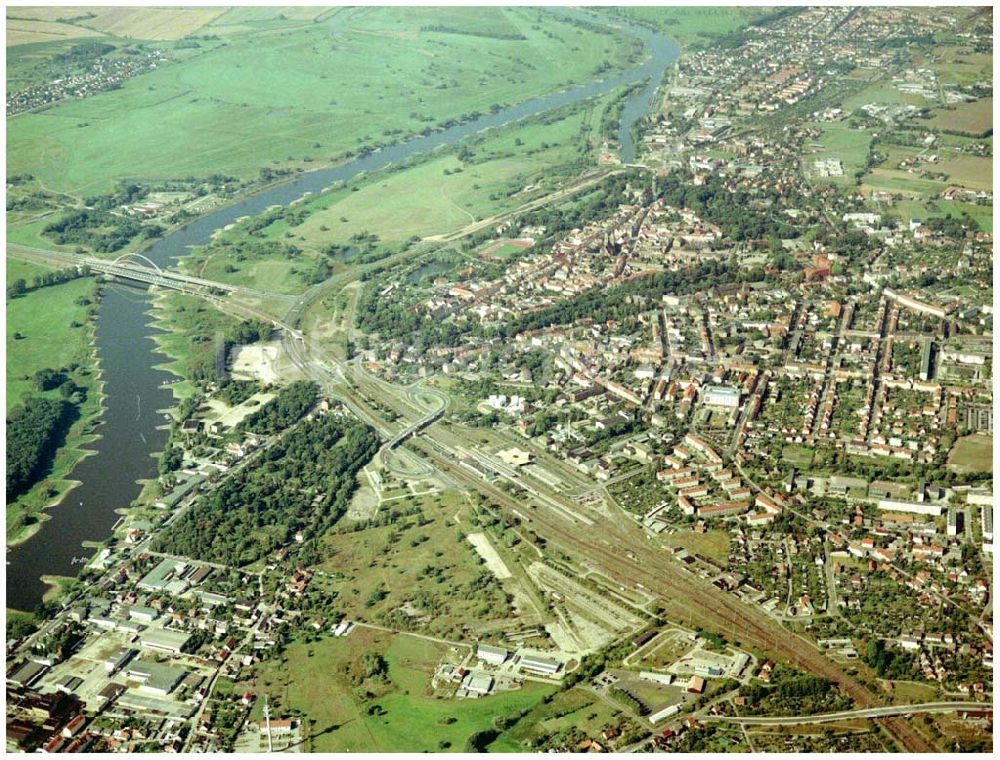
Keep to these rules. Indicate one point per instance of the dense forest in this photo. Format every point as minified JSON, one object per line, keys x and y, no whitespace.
{"x":34,"y":432}
{"x":283,"y":410}
{"x":304,"y":481}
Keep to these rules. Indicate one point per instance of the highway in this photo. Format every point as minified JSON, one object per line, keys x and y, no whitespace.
{"x":874,"y":712}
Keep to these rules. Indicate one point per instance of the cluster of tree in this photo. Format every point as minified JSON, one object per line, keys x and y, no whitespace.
{"x":83,"y":52}
{"x":126,"y":194}
{"x":268,"y":174}
{"x":493,"y":34}
{"x":283,"y":410}
{"x":34,"y":431}
{"x":598,"y":204}
{"x":593,"y":664}
{"x":235,"y":392}
{"x":793,"y":693}
{"x":618,"y":301}
{"x":20,"y":287}
{"x":99,"y":230}
{"x":249,"y":331}
{"x":18,"y":627}
{"x":740,"y":215}
{"x":304,"y":481}
{"x":394,"y":321}
{"x":894,"y":664}
{"x":951,"y":226}
{"x":62,"y":641}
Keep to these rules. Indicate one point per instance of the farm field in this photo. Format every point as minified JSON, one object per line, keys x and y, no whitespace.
{"x":25,"y":32}
{"x":35,"y":24}
{"x":972,"y":172}
{"x":972,"y":118}
{"x":311,"y":679}
{"x":312,"y":99}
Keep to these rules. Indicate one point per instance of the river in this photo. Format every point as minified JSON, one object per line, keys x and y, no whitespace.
{"x":135,"y":390}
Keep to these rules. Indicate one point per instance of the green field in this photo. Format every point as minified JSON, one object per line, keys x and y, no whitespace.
{"x":310,"y":679}
{"x":904,"y":183}
{"x":797,"y":454}
{"x":573,"y":709}
{"x":422,"y":577}
{"x":692,"y":26}
{"x":505,"y":251}
{"x":437,"y":196}
{"x":849,"y":145}
{"x":313,"y":94}
{"x":189,"y":329}
{"x":43,"y":318}
{"x":713,"y":544}
{"x":915,"y":209}
{"x":883,"y":94}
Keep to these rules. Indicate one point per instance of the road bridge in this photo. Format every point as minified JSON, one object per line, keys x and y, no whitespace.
{"x":139,"y":268}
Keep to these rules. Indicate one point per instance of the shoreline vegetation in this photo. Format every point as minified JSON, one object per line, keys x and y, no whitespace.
{"x":79,"y":443}
{"x":32,"y":507}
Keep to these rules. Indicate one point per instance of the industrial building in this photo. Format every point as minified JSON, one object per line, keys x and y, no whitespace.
{"x":492,"y":655}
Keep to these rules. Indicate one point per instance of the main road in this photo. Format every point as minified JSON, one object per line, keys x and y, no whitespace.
{"x":836,"y":717}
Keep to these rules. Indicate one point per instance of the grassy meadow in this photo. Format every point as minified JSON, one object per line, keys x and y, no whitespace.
{"x":315,"y":93}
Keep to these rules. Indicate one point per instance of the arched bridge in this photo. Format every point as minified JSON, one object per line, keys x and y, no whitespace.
{"x":139,"y":268}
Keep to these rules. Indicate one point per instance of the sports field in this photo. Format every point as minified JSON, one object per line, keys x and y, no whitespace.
{"x":973,"y":453}
{"x":316,"y":93}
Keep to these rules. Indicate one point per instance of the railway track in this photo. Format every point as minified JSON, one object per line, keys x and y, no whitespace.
{"x":685,"y":596}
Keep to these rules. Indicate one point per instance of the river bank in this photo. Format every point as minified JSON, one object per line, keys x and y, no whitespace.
{"x":138,"y":386}
{"x":26,"y":515}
